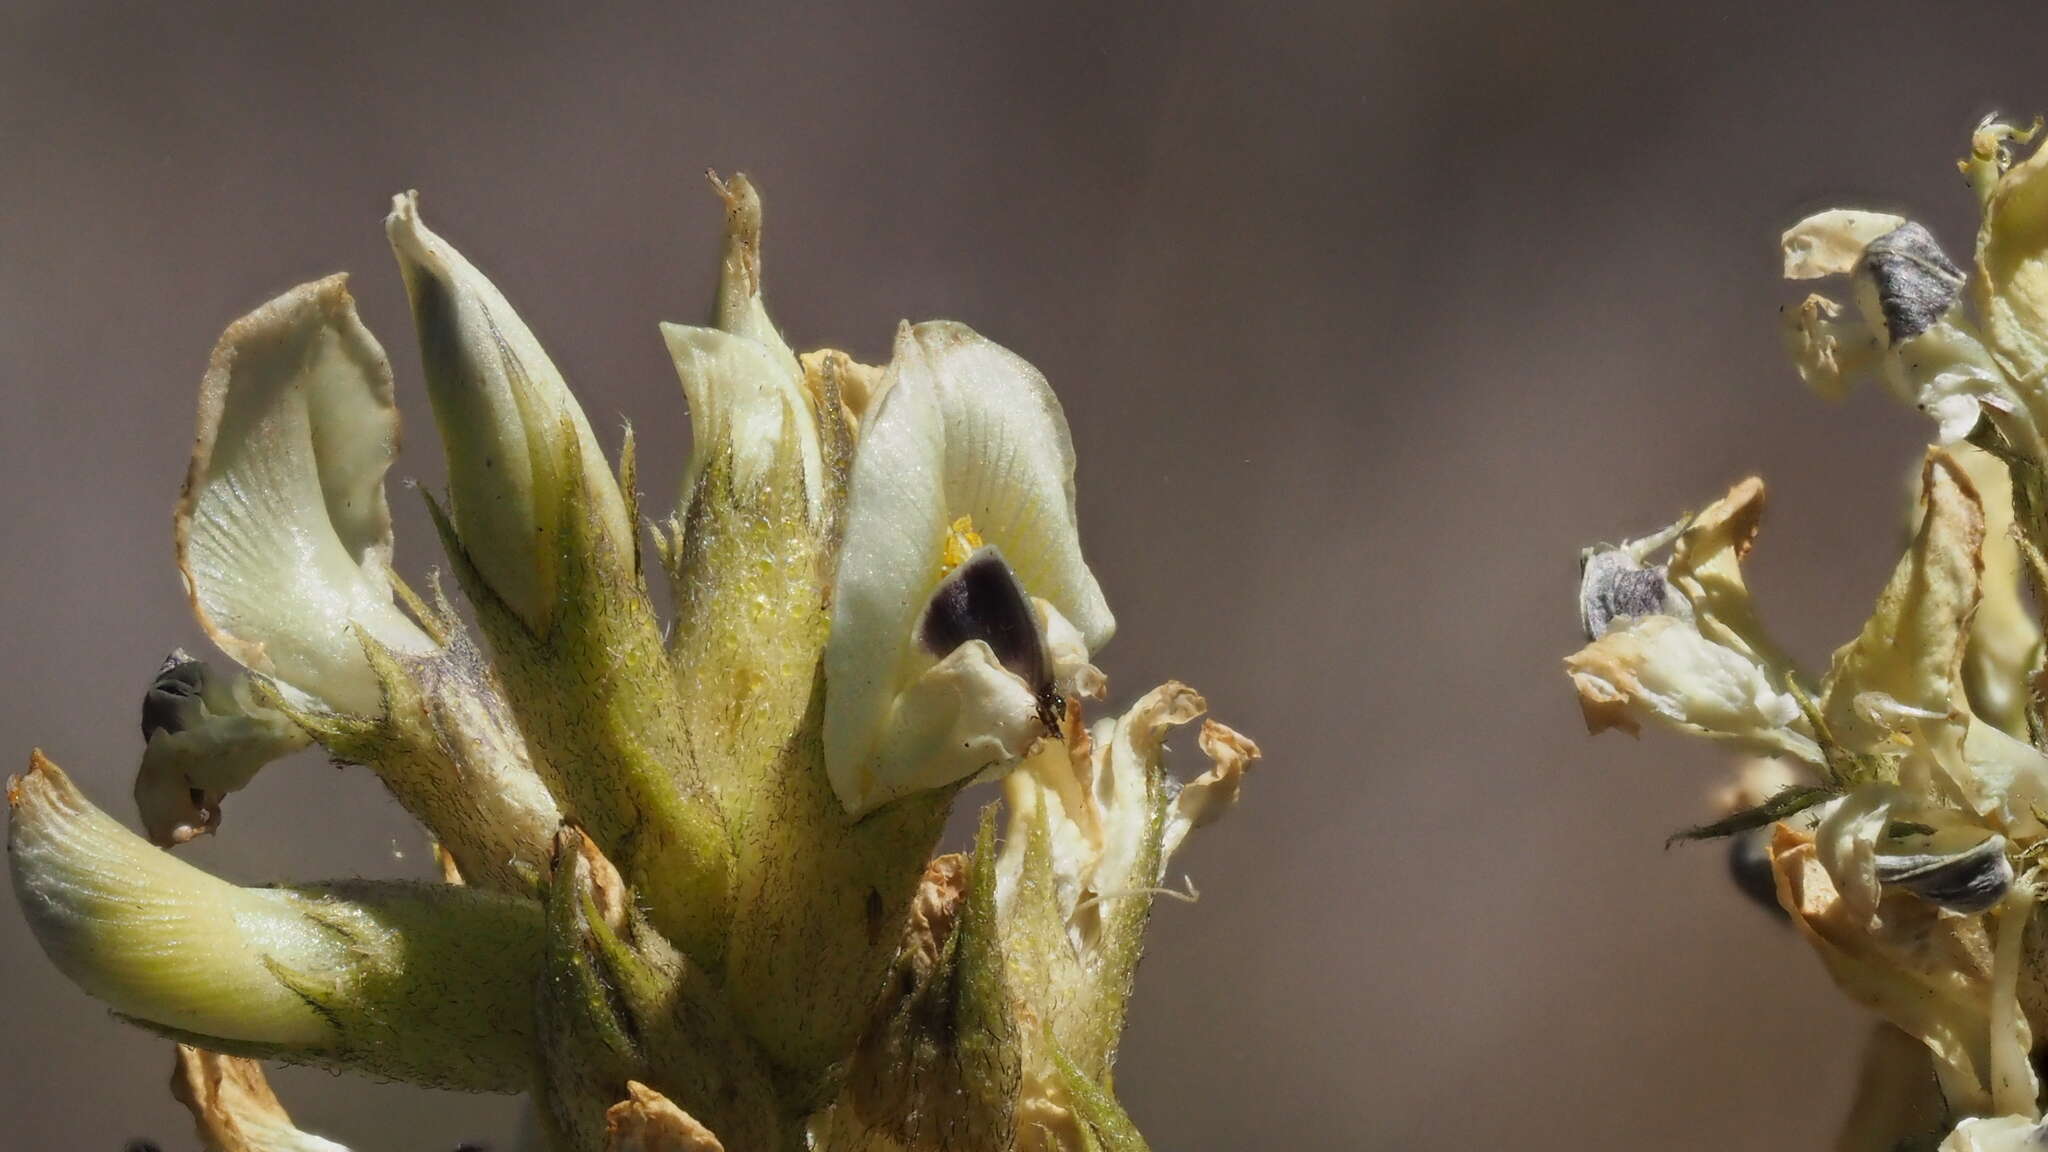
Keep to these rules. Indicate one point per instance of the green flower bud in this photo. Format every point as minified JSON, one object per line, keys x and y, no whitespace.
{"x":429,"y":984}
{"x":508,"y":422}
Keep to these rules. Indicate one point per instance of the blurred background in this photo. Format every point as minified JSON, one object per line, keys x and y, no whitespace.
{"x":1366,"y":316}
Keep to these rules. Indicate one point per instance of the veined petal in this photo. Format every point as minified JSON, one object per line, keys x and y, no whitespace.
{"x":1009,"y":463}
{"x":964,"y":431}
{"x":431,"y":984}
{"x":1911,"y":649}
{"x":508,"y":423}
{"x":153,"y":936}
{"x":2003,"y":634}
{"x":284,"y":537}
{"x":1662,"y":668}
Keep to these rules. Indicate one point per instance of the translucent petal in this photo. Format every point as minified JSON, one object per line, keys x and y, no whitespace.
{"x":1009,"y":463}
{"x":283,"y":533}
{"x":744,"y":400}
{"x":1911,"y":648}
{"x":235,"y":1109}
{"x":964,"y":429}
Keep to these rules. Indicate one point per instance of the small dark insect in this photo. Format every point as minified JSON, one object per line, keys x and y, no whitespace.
{"x":982,"y":600}
{"x":142,"y":1146}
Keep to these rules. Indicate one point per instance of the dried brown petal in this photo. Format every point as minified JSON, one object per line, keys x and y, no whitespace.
{"x":647,"y":1121}
{"x":233,"y":1107}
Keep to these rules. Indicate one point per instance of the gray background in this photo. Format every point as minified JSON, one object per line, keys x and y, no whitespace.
{"x":1366,"y":317}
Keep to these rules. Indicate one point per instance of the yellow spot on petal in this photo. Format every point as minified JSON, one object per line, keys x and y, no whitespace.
{"x":961,"y":541}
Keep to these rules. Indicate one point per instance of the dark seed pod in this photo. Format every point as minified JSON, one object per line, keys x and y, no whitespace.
{"x":1749,"y":865}
{"x":1916,"y":281}
{"x":172,"y":702}
{"x":1614,"y":584}
{"x":1969,"y":881}
{"x":982,"y":600}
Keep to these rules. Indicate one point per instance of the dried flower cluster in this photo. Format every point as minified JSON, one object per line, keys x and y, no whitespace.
{"x":1896,"y":810}
{"x":690,"y":899}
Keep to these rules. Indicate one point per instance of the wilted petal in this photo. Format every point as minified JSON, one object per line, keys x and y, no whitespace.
{"x":1845,"y":843}
{"x":1931,"y":973}
{"x":513,"y":433}
{"x":647,"y":1121}
{"x":966,"y":433}
{"x":1661,"y":668}
{"x":1706,"y":569}
{"x":1207,"y":797}
{"x":1908,"y":330}
{"x":1830,"y":351}
{"x":283,"y":533}
{"x":1997,"y":1134}
{"x":1898,"y":1102}
{"x":1911,"y":649}
{"x":233,"y":1107}
{"x":2010,"y":289}
{"x":2000,"y":777}
{"x":1830,"y":243}
{"x":1092,"y":825}
{"x":2004,"y":638}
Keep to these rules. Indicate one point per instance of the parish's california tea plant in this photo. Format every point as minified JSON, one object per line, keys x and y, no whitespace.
{"x":1895,"y":807}
{"x":690,"y":899}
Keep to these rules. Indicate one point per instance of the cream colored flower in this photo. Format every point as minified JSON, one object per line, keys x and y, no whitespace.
{"x":1680,"y":644}
{"x":1908,"y":329}
{"x":960,"y":517}
{"x":284,"y":537}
